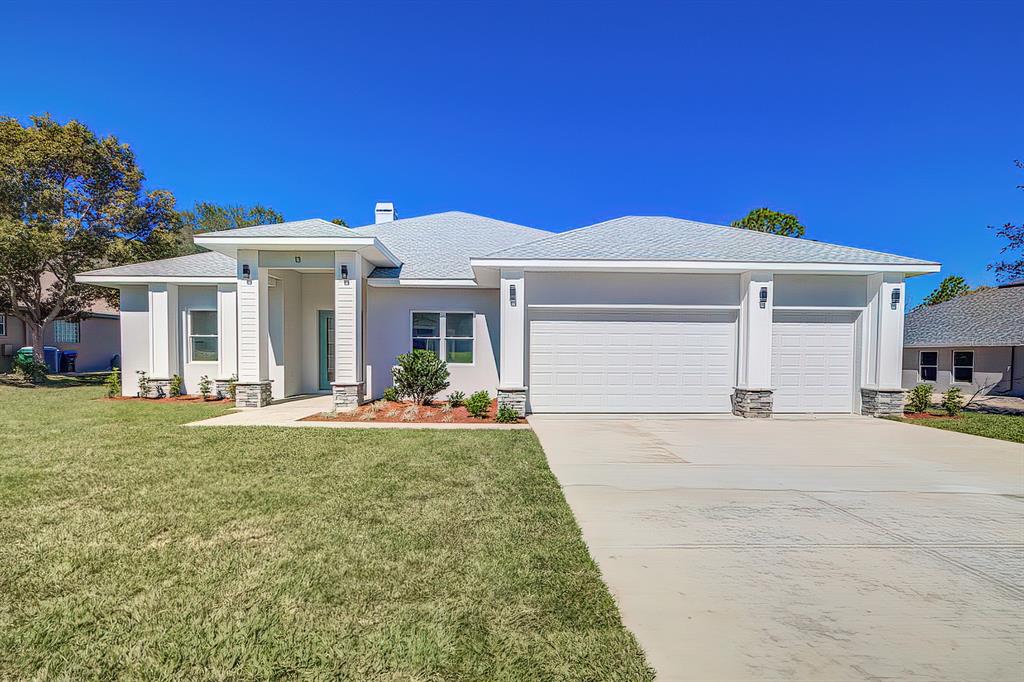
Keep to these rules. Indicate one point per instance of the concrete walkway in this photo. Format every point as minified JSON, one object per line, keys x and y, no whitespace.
{"x":787,"y":549}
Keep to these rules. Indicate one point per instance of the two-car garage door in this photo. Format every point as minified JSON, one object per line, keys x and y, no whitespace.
{"x":632,"y":360}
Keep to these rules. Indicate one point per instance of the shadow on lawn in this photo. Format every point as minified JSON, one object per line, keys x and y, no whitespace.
{"x":58,"y":380}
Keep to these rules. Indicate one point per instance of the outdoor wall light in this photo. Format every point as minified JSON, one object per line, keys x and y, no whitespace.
{"x":512,"y":295}
{"x":246,"y":272}
{"x":298,"y":259}
{"x":895,"y":298}
{"x":344,"y":273}
{"x":763,"y":300}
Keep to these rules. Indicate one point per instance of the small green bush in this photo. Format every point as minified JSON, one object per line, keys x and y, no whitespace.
{"x":920,"y":398}
{"x":233,"y":386}
{"x":479,"y":404}
{"x":28,"y":370}
{"x":113,"y":383}
{"x":953,"y":402}
{"x":456,"y":398}
{"x":391,"y":395}
{"x":143,"y":383}
{"x":506,"y":415}
{"x":420,"y":375}
{"x":205,"y":387}
{"x":176,"y":386}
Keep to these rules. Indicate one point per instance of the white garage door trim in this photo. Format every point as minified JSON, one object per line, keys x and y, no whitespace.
{"x":813,"y":361}
{"x":631,"y":361}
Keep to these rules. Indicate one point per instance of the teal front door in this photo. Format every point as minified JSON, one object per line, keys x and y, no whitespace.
{"x":326,"y":326}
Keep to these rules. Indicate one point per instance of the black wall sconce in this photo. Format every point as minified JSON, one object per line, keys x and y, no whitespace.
{"x":246,"y":272}
{"x":344,"y":273}
{"x":763,"y":299}
{"x":895,"y":299}
{"x":298,"y":259}
{"x":512,"y":295}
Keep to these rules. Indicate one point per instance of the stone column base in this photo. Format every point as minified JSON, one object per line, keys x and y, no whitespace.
{"x":159,"y":388}
{"x":220,"y":388}
{"x":347,"y":397}
{"x":514,"y":398}
{"x":752,"y":403}
{"x":255,"y":394}
{"x":882,"y":402}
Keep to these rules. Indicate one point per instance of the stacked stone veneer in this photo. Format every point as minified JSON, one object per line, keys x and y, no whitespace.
{"x":220,"y":388}
{"x":882,"y":402}
{"x":255,"y":394}
{"x":752,"y":403}
{"x":347,"y":396}
{"x":159,"y":388}
{"x":514,"y":398}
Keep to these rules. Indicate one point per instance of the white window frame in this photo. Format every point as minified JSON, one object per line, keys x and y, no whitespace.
{"x":3,"y":324}
{"x":921,"y":366}
{"x":77,"y":326}
{"x":954,"y":366}
{"x":442,"y":345}
{"x":189,"y":336}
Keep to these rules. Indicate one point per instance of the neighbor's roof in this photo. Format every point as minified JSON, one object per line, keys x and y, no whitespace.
{"x":674,"y":239}
{"x":314,"y":227}
{"x":207,"y":264}
{"x":987,"y":317}
{"x":439,"y":246}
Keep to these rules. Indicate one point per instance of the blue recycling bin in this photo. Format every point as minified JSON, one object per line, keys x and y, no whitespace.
{"x":68,"y":359}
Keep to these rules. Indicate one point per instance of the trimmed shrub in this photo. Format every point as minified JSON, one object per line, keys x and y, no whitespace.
{"x":113,"y":383}
{"x":479,"y":404}
{"x":506,"y":415}
{"x":420,"y":375}
{"x":143,"y":383}
{"x":456,"y":398}
{"x":176,"y":386}
{"x":920,"y":398}
{"x":28,"y":370}
{"x":953,"y":402}
{"x":233,"y":386}
{"x":205,"y":387}
{"x":391,"y":395}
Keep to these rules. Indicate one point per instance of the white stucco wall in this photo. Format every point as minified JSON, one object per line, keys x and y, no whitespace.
{"x":389,"y":332}
{"x":555,"y":288}
{"x":134,"y":336}
{"x":317,"y":295}
{"x":821,"y":290}
{"x":992,"y":366}
{"x":194,"y":298}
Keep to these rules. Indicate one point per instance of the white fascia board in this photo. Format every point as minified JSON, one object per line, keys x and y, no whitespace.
{"x":124,"y":280}
{"x":627,"y":306}
{"x":704,"y":266}
{"x":968,"y":345}
{"x":432,"y":283}
{"x":230,"y":245}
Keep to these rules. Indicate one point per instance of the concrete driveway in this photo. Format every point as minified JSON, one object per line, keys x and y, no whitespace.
{"x":803,"y":549}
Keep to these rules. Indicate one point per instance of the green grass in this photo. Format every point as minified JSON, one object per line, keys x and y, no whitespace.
{"x":1002,"y":426}
{"x":131,"y":547}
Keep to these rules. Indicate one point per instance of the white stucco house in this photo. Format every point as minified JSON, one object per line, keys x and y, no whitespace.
{"x":637,"y":314}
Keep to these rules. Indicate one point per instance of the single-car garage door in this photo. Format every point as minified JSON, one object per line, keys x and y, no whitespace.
{"x":812,"y":362}
{"x":631,"y":360}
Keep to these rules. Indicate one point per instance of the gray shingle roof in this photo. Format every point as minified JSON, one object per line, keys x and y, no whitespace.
{"x":989,"y":317}
{"x":664,"y":238}
{"x":314,"y":227}
{"x":207,"y":264}
{"x":439,"y":246}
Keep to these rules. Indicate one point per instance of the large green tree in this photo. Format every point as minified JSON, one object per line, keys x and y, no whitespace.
{"x":70,"y":201}
{"x":1012,"y":269}
{"x":948,"y":289}
{"x":209,"y":217}
{"x":767,"y":220}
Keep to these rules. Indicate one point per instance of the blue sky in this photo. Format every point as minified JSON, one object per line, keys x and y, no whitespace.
{"x":886,"y":126}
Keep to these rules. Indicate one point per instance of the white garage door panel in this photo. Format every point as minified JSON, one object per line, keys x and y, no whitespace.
{"x":812,"y":362}
{"x":632,"y":361}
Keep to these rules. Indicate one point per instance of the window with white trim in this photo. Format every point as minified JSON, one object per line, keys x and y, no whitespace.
{"x":963,"y":366}
{"x":3,"y":325}
{"x":67,"y":332}
{"x":929,"y":366}
{"x":448,"y":335}
{"x":202,"y":335}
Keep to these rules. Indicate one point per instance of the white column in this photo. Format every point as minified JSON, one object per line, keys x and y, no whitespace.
{"x":252,"y":297}
{"x":164,"y":331}
{"x":227,"y":330}
{"x":348,"y":318}
{"x":513,"y":330}
{"x":889,"y":339}
{"x":755,"y":342}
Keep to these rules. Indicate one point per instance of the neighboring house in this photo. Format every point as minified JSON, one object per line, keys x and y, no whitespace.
{"x":974,"y":341}
{"x":638,"y":314}
{"x":96,"y":336}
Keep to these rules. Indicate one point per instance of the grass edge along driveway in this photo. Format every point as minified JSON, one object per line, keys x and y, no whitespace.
{"x":133,"y":547}
{"x":1009,"y":427}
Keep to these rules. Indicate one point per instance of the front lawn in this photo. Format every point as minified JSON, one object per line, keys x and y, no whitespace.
{"x":1002,"y":426}
{"x":131,"y":547}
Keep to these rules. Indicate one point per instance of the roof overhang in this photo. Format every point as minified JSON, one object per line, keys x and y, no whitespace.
{"x":425,"y":283}
{"x":370,"y":248}
{"x":128,"y":280}
{"x":663,"y":266}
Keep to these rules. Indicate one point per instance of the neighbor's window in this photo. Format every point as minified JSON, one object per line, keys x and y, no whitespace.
{"x":3,"y":325}
{"x":455,"y":330}
{"x":202,"y":335}
{"x":929,"y":365}
{"x":66,"y":332}
{"x":963,"y":366}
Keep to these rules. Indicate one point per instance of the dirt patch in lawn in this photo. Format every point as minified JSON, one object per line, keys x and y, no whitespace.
{"x":388,"y":412}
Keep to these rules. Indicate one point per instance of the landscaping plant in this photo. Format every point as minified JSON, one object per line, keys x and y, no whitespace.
{"x":420,"y":375}
{"x":176,"y":386}
{"x":143,"y":383}
{"x":391,"y":395}
{"x":456,"y":398}
{"x":205,"y":387}
{"x":920,"y":398}
{"x":29,"y":370}
{"x":479,"y":404}
{"x":233,"y":386}
{"x":952,"y":402}
{"x":113,"y":383}
{"x":506,"y":415}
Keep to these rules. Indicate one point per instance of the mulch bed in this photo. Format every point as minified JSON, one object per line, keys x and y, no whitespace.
{"x":391,"y":413}
{"x":179,"y":399}
{"x":926,"y":415}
